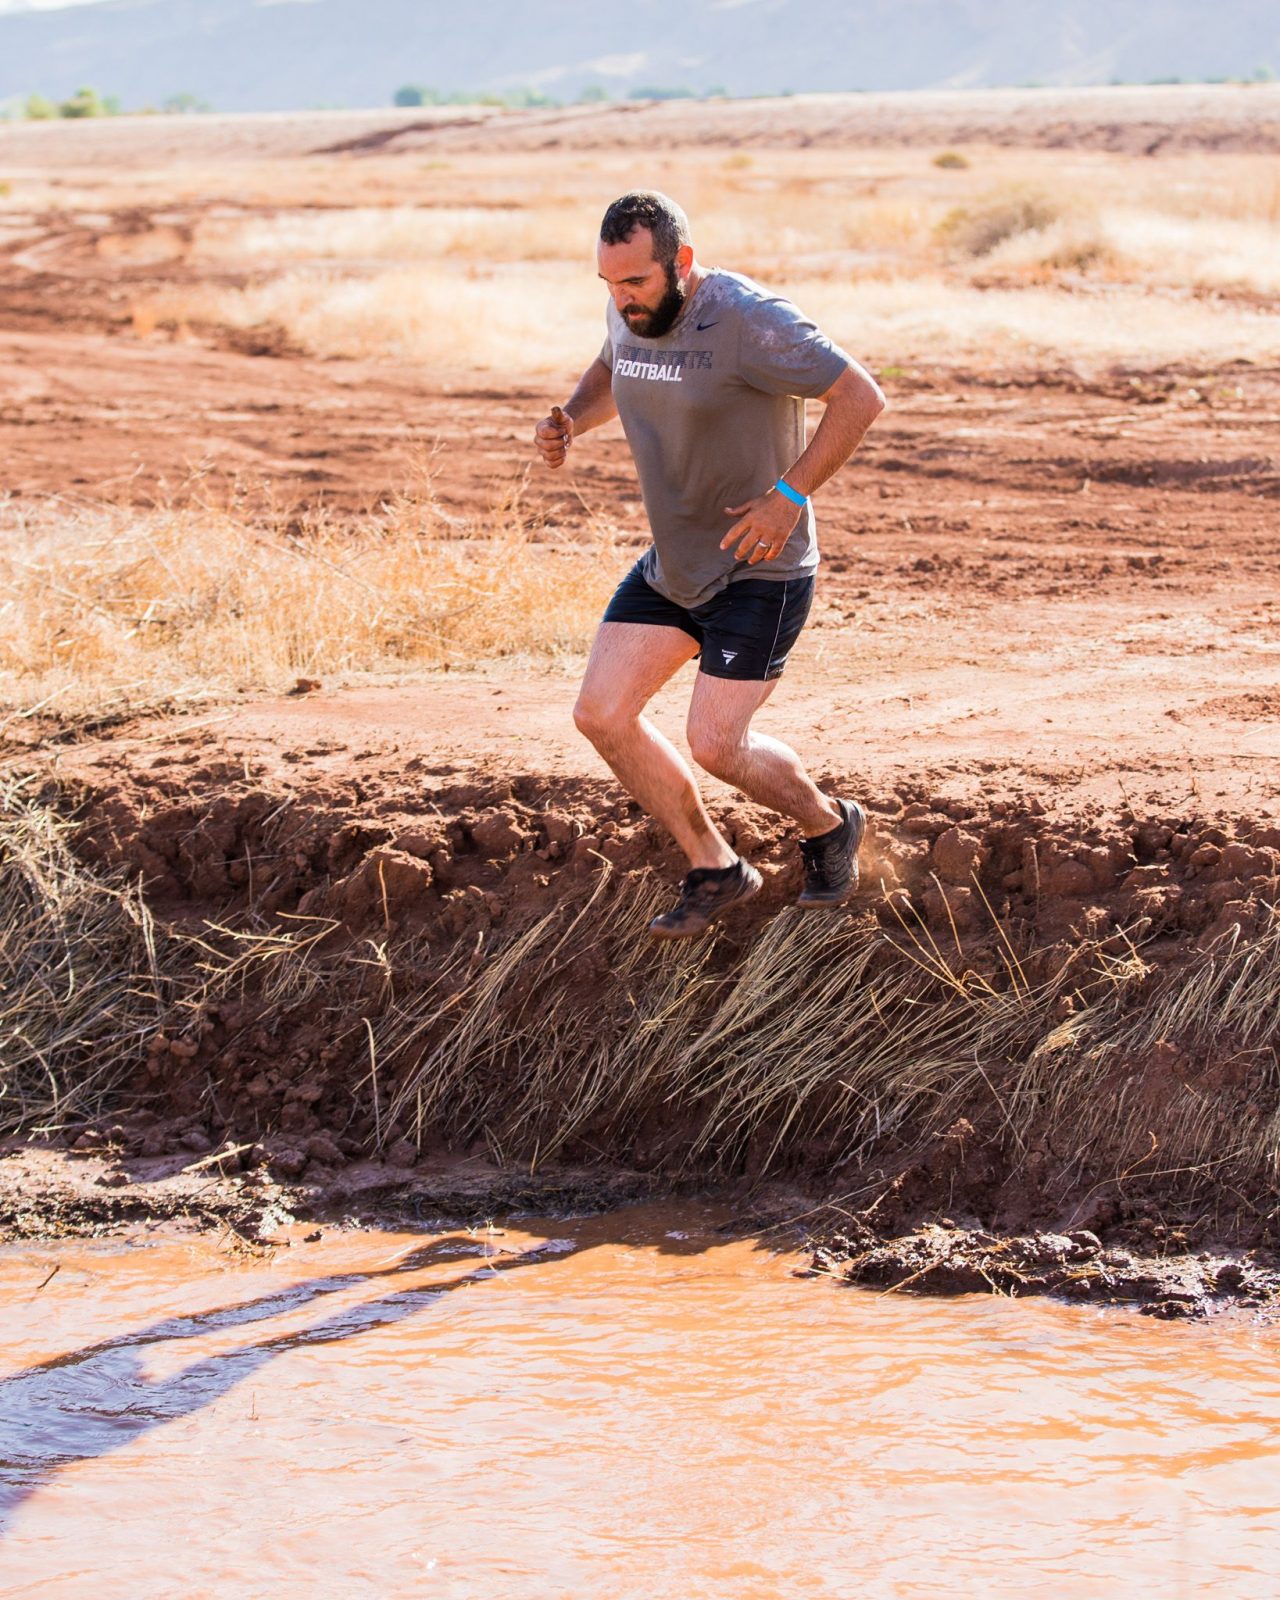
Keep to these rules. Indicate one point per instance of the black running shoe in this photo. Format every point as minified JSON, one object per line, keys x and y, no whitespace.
{"x":705,"y":894}
{"x":831,"y":860}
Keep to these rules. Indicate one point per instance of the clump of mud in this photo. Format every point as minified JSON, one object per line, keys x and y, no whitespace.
{"x":948,"y":1258}
{"x":453,"y":858}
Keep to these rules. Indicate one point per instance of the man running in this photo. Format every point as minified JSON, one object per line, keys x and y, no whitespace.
{"x":709,"y":373}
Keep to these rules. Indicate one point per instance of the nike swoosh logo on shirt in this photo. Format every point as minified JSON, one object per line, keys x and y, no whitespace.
{"x":703,"y":326}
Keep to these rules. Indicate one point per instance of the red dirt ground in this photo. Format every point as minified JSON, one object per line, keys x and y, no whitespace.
{"x":1050,"y":589}
{"x":1063,"y":588}
{"x":1045,"y":648}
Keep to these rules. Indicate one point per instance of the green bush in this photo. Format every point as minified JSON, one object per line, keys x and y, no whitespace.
{"x":83,"y":103}
{"x":951,"y":161}
{"x":38,"y":109}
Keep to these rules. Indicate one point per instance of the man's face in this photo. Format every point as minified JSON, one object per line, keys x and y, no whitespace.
{"x":649,"y":296}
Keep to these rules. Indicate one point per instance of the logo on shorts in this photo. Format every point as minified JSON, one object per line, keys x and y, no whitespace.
{"x":728,"y":656}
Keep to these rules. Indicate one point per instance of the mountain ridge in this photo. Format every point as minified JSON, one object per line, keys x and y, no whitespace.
{"x":242,"y":55}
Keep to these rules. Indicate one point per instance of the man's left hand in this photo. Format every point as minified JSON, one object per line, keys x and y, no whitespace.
{"x":763,"y":527}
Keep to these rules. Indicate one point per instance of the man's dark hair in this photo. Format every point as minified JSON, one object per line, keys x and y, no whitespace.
{"x":646,"y":208}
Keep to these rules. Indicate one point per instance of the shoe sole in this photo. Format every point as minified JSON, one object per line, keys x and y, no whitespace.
{"x":752,"y":887}
{"x":839,"y":898}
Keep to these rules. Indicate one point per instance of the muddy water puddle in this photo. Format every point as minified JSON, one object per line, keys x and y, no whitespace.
{"x":628,"y":1406}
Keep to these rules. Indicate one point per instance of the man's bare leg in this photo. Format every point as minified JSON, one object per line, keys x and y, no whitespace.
{"x":763,"y":768}
{"x":630,"y":661}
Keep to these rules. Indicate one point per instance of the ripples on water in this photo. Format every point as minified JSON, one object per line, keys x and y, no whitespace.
{"x":623,"y":1407}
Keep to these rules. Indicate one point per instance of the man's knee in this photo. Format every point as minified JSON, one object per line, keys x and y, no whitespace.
{"x":598,"y":718}
{"x":716,"y":751}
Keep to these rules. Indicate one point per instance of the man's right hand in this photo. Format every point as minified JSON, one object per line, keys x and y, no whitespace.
{"x":553,"y":436}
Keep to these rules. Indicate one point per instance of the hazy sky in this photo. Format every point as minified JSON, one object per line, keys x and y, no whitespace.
{"x":43,"y":5}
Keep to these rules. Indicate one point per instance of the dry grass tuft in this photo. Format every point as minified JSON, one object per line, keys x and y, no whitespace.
{"x":83,"y":979}
{"x":821,"y":1043}
{"x":103,"y":605}
{"x":977,"y":230}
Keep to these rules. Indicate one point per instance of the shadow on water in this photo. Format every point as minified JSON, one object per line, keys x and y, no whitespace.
{"x":85,"y":1404}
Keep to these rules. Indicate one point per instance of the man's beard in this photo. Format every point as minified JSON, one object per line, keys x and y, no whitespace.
{"x":653,"y":324}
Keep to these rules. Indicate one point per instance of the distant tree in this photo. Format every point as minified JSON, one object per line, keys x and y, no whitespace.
{"x":38,"y":109}
{"x":593,"y":94}
{"x":523,"y":99}
{"x":83,"y":103}
{"x":185,"y":104}
{"x":414,"y":94}
{"x":527,"y":99}
{"x":1264,"y":74}
{"x":111,"y":106}
{"x":664,"y":92}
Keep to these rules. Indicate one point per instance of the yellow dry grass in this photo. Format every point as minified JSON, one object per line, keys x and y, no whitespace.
{"x":468,"y":234}
{"x":487,"y":264}
{"x":923,"y":319}
{"x":534,"y":320}
{"x":105,"y":607}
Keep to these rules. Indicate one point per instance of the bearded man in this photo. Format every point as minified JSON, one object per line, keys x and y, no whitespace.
{"x":709,"y":373}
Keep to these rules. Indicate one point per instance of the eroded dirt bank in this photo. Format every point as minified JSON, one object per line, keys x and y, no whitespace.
{"x":1029,"y":1022}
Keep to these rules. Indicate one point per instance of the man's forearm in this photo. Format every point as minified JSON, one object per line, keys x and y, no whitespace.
{"x":591,"y":403}
{"x":853,"y":404}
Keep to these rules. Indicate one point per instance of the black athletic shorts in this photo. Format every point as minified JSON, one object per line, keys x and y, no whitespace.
{"x":746,"y":631}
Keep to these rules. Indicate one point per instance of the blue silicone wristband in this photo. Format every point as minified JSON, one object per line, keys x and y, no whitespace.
{"x":788,"y":493}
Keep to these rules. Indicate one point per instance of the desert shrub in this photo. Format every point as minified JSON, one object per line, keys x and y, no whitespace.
{"x":38,"y":109}
{"x":1080,"y":254}
{"x":951,"y":161}
{"x":1072,"y":244}
{"x":84,"y":102}
{"x":977,"y":230}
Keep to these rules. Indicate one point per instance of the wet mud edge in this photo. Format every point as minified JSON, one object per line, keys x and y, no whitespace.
{"x":49,"y":1194}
